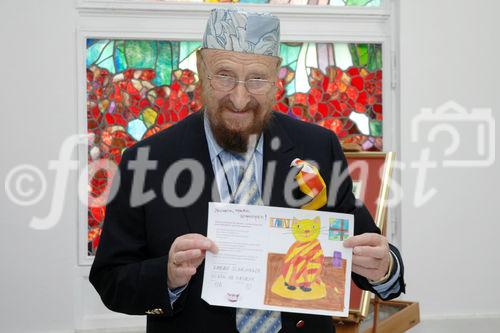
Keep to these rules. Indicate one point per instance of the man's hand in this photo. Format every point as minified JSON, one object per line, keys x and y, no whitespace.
{"x":371,"y":256}
{"x":185,"y":255}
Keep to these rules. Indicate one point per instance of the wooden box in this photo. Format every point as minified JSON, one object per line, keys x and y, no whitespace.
{"x":393,"y":317}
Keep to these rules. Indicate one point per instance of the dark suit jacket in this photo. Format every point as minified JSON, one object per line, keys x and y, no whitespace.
{"x":130,"y":267}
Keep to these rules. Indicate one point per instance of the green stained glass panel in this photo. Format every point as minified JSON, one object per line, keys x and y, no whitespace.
{"x":375,"y":57}
{"x":141,"y":54}
{"x":290,"y":53}
{"x":108,"y":64}
{"x":368,"y":55}
{"x":187,"y":48}
{"x":94,"y":50}
{"x":104,"y":58}
{"x":165,"y":63}
{"x":375,"y":128}
{"x":120,"y":59}
{"x":361,"y":3}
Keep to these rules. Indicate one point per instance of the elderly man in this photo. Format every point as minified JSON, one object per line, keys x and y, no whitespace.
{"x":150,"y":258}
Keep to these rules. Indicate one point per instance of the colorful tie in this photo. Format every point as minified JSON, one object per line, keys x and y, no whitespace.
{"x":250,"y":320}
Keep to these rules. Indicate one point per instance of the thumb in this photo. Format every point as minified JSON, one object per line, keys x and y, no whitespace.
{"x":212,"y":247}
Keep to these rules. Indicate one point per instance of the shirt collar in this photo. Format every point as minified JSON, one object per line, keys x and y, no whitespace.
{"x":214,"y":148}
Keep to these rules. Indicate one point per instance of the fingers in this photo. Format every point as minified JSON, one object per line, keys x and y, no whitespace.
{"x":366,"y":262}
{"x":186,"y":254}
{"x":180,"y":275}
{"x":185,"y":272}
{"x":372,"y":274}
{"x":368,"y":245}
{"x":183,"y":256}
{"x":194,"y":241}
{"x":378,"y":252}
{"x":370,"y":255}
{"x":368,"y":239}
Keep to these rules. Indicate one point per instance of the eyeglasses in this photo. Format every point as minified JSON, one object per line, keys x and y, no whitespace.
{"x":227,"y":83}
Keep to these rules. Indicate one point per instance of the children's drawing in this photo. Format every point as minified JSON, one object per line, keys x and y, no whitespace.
{"x":300,"y":277}
{"x":273,"y":258}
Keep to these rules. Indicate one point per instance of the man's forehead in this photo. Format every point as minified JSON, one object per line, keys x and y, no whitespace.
{"x":219,"y":57}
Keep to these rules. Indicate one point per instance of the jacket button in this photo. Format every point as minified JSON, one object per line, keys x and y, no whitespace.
{"x":300,"y":324}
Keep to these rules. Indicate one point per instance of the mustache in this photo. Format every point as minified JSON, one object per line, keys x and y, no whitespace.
{"x":252,"y":105}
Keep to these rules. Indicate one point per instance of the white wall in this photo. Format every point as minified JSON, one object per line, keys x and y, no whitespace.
{"x":42,"y":288}
{"x":37,"y":108}
{"x":450,"y":51}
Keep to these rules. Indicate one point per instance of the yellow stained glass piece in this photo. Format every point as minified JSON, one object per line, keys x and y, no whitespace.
{"x":149,"y":117}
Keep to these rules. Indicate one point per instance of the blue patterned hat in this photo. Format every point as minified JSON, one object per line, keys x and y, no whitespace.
{"x":240,"y":31}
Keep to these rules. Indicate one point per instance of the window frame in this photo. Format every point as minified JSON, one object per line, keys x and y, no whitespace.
{"x":133,"y":19}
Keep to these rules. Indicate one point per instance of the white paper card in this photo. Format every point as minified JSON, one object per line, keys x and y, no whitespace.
{"x":278,"y":259}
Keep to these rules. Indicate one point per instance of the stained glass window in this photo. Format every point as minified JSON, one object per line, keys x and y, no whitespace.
{"x":136,"y":88}
{"x":351,"y":3}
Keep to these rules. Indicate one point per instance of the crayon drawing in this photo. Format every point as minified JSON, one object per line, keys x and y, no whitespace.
{"x":304,"y":277}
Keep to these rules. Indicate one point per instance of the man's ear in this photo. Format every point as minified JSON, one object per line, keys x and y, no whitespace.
{"x":277,"y":72}
{"x":201,"y":72}
{"x":278,"y":65}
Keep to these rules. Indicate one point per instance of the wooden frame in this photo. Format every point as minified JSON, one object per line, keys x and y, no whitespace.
{"x":360,"y":299}
{"x":378,"y":210}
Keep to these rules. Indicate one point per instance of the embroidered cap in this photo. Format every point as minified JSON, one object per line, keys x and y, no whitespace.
{"x":240,"y":31}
